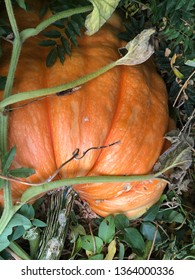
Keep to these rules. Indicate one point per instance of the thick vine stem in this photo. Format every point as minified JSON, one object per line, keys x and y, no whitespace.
{"x":60,"y":204}
{"x":19,"y":38}
{"x":48,"y":91}
{"x":8,"y":205}
{"x":25,"y":34}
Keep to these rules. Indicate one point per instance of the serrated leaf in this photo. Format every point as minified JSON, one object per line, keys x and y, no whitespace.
{"x":8,"y":158}
{"x":134,"y":239}
{"x":92,"y":244}
{"x":102,"y":10}
{"x":111,"y":250}
{"x":22,"y":172}
{"x":107,"y":229}
{"x":51,"y":57}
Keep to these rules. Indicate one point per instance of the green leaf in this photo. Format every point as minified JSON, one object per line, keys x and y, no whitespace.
{"x":151,"y":213}
{"x":121,"y":221}
{"x":47,"y":43}
{"x":111,"y":250}
{"x":71,"y":36}
{"x":134,"y":239}
{"x":7,"y":159}
{"x":149,"y":230}
{"x":65,"y":45}
{"x":17,"y":220}
{"x":61,"y":53}
{"x":38,"y":223}
{"x":190,"y":62}
{"x":1,"y":183}
{"x":51,"y":57}
{"x":76,"y":231}
{"x":2,"y":82}
{"x":102,"y":10}
{"x":77,"y":247}
{"x":107,"y":229}
{"x":171,"y":216}
{"x":75,"y":27}
{"x":52,"y":34}
{"x":92,"y":244}
{"x":121,"y":251}
{"x":27,"y":211}
{"x":96,"y":257}
{"x":22,"y":4}
{"x":18,"y":233}
{"x":22,"y":172}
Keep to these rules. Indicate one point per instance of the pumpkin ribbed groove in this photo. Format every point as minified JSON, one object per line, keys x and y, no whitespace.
{"x":126,"y":103}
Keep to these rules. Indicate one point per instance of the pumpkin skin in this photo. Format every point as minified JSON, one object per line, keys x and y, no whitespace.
{"x":128,"y":103}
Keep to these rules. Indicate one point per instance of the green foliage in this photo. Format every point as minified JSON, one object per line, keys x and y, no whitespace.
{"x":167,"y":230}
{"x":5,"y":164}
{"x":66,"y":30}
{"x":174,"y":22}
{"x":19,"y":225}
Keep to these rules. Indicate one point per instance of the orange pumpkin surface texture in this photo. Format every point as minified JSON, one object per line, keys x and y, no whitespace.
{"x":128,"y":103}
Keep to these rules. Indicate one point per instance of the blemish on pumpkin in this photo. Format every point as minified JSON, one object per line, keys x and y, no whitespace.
{"x":127,"y":187}
{"x":86,"y":119}
{"x":98,"y":201}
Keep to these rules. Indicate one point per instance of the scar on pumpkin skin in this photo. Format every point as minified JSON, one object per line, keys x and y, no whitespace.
{"x":75,"y":155}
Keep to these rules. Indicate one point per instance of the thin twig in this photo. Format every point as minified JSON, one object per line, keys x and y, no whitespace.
{"x":93,"y":238}
{"x":153,"y":242}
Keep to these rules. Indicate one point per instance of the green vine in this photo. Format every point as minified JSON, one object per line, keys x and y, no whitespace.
{"x":19,"y":38}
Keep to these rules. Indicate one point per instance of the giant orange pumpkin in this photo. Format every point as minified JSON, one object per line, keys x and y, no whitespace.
{"x":128,"y":103}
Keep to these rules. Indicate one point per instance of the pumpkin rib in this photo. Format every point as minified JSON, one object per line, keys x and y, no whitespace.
{"x":128,"y":103}
{"x":130,"y":123}
{"x":130,"y":202}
